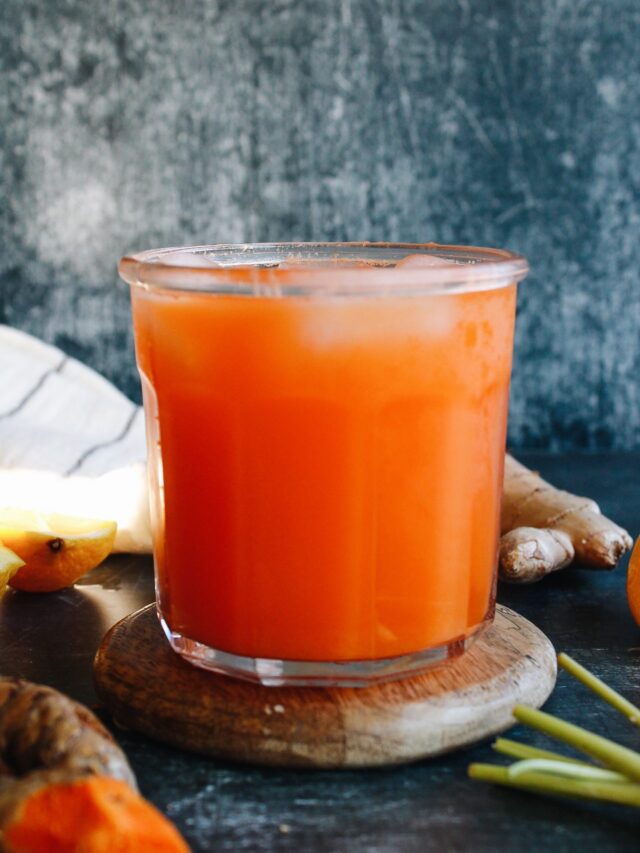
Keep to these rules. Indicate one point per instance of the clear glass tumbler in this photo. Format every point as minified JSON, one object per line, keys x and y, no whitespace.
{"x":326,"y":434}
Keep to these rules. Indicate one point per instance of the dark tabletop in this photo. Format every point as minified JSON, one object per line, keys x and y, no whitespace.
{"x":427,"y":806}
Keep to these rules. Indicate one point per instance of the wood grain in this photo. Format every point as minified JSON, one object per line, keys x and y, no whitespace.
{"x":150,"y":689}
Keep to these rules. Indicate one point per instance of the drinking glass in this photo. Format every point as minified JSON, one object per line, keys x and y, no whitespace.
{"x":326,"y":436}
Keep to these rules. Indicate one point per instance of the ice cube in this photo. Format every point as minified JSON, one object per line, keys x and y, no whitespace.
{"x":293,"y":263}
{"x":188,"y":259}
{"x":418,"y":261}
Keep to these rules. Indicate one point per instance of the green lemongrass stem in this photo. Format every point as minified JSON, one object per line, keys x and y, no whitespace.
{"x":567,"y":770}
{"x":514,"y":749}
{"x":627,"y":794}
{"x":631,"y":711}
{"x":611,"y":754}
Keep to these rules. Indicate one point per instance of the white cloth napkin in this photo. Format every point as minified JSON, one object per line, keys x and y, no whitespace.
{"x":69,"y":441}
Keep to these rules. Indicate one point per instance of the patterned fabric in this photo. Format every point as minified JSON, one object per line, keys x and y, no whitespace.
{"x":69,"y":441}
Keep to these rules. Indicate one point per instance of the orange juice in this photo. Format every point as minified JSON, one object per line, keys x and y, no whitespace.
{"x":326,"y":468}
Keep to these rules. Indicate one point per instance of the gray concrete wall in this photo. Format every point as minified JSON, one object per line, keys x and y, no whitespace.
{"x":126,"y":124}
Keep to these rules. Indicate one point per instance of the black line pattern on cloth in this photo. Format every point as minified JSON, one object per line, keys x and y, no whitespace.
{"x":109,"y":443}
{"x":34,"y":389}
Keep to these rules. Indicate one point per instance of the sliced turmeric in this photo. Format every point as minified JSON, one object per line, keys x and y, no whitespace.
{"x":96,"y":814}
{"x":545,"y":529}
{"x":65,"y":785}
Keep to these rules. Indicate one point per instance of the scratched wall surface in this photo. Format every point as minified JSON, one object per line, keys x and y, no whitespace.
{"x":126,"y":124}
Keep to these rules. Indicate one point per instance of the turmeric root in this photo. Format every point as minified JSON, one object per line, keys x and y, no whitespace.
{"x":95,"y":813}
{"x":65,"y":785}
{"x":545,"y":529}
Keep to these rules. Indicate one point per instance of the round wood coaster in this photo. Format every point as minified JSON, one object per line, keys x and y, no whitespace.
{"x":150,"y":689}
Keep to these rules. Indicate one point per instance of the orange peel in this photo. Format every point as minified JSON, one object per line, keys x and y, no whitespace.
{"x":55,"y":549}
{"x":633,"y":582}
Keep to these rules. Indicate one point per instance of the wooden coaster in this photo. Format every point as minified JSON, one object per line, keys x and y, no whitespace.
{"x":150,"y":689}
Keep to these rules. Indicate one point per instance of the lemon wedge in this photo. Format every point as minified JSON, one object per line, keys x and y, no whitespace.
{"x":9,"y":565}
{"x":56,"y":550}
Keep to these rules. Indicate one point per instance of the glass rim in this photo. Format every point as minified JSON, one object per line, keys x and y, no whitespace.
{"x":463,"y":268}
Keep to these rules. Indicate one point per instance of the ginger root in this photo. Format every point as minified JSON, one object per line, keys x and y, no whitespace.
{"x":65,"y":785}
{"x":544,"y":529}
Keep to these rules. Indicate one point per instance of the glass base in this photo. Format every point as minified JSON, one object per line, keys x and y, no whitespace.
{"x":300,"y":673}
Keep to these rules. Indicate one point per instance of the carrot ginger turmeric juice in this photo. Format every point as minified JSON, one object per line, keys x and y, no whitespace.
{"x":325,"y":463}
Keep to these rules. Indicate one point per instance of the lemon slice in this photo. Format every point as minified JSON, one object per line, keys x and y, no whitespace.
{"x":9,"y":565}
{"x":56,"y":549}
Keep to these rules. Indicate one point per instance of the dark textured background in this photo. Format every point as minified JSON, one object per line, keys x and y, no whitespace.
{"x":126,"y":124}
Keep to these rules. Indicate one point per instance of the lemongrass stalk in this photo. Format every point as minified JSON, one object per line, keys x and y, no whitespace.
{"x":627,"y":794}
{"x":566,"y":769}
{"x":611,"y":754}
{"x":631,"y":711}
{"x":514,"y":749}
